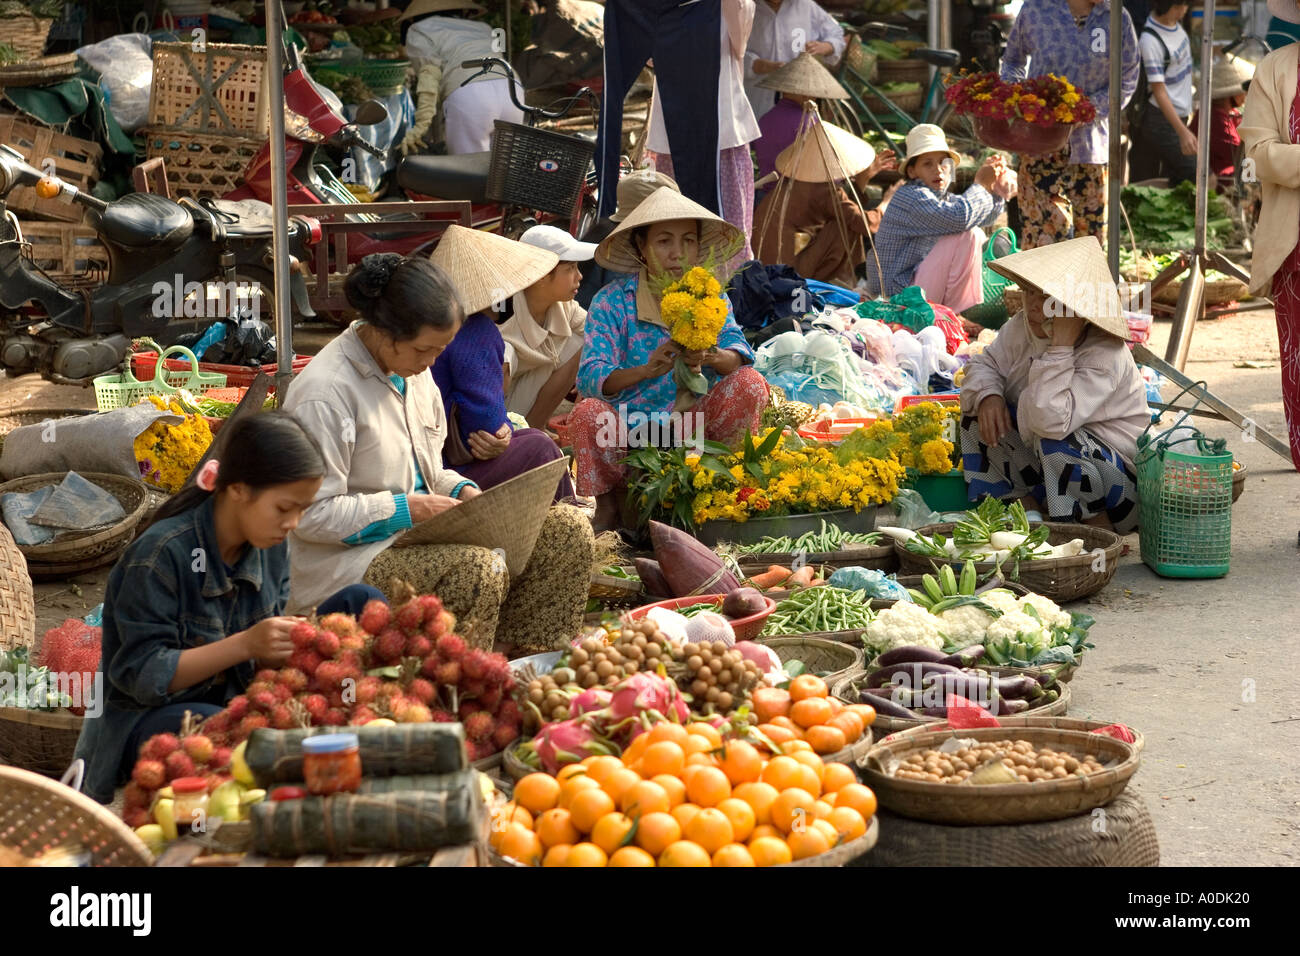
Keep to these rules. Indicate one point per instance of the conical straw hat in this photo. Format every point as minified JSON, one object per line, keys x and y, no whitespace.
{"x":486,"y":268}
{"x":1074,"y":273}
{"x":1229,"y":76}
{"x":617,"y":251}
{"x":805,"y":76}
{"x":507,"y":517}
{"x":823,"y":154}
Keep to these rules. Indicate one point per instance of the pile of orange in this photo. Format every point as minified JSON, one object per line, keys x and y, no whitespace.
{"x":809,"y":713}
{"x":682,"y":796}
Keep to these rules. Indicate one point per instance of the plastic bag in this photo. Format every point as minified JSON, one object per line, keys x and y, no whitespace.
{"x":813,"y":368}
{"x":17,"y":510}
{"x":877,"y":338}
{"x":875,"y":583}
{"x":74,"y":648}
{"x":912,"y":511}
{"x":125,"y":65}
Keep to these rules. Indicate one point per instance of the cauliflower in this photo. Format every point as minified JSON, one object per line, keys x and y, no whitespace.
{"x":1000,"y":599}
{"x":903,"y":625}
{"x":1019,"y":626}
{"x":964,"y":626}
{"x":1050,"y":612}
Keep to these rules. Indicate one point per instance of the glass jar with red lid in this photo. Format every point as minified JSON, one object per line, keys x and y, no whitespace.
{"x":189,"y":801}
{"x":331,"y":763}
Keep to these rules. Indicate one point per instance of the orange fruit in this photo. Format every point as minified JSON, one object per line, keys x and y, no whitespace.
{"x":667,"y":730}
{"x":782,"y":773}
{"x":759,"y":796}
{"x":765,"y":830}
{"x":742,"y":817}
{"x":520,"y":843}
{"x":574,"y":786}
{"x":664,"y":756}
{"x":799,"y":745}
{"x":788,"y":724}
{"x":776,"y":733}
{"x":711,"y":829}
{"x":537,"y":792}
{"x":673,"y":786}
{"x":700,"y":729}
{"x":741,"y":762}
{"x":708,"y":787}
{"x":645,"y":797}
{"x":638,"y":768}
{"x":586,"y":854}
{"x":733,"y":854}
{"x":588,"y":806}
{"x":697,"y":744}
{"x":805,"y":843}
{"x":806,"y":687}
{"x":655,"y":832}
{"x":634,"y":750}
{"x":865,"y":711}
{"x":811,"y":761}
{"x":828,"y":798}
{"x":630,"y":856}
{"x":857,"y":797}
{"x":569,"y":771}
{"x":791,"y":807}
{"x":700,"y":760}
{"x":848,"y":823}
{"x":810,"y":712}
{"x":510,"y":813}
{"x":822,"y":810}
{"x":619,"y":782}
{"x":827,"y":739}
{"x":683,"y":813}
{"x":602,"y":768}
{"x":611,"y":830}
{"x":827,"y":829}
{"x":770,"y":851}
{"x":848,"y":722}
{"x":837,"y":705}
{"x":810,"y":780}
{"x":556,"y":855}
{"x":685,"y":853}
{"x":770,"y":702}
{"x":555,"y":826}
{"x":837,"y":775}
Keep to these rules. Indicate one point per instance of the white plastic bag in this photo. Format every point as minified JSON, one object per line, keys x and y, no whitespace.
{"x":125,"y":65}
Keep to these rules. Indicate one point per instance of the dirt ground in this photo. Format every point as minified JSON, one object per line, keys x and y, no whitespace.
{"x":1202,"y":668}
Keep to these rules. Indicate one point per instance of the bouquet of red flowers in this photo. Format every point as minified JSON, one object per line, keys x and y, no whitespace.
{"x":1046,"y":100}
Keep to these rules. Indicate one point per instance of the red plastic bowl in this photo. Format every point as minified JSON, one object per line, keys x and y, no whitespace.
{"x":1018,"y":136}
{"x":746,"y":628}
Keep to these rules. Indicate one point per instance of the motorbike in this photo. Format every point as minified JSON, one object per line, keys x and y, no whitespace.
{"x":165,"y":257}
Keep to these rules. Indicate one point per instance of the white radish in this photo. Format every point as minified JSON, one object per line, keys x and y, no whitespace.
{"x":898,"y":534}
{"x":1068,"y":550}
{"x":1007,"y":540}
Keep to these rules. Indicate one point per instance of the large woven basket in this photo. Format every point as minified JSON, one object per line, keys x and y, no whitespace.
{"x":907,"y":102}
{"x":27,"y":34}
{"x":38,"y":815}
{"x":1238,"y":482}
{"x":903,"y":71}
{"x":1061,"y":579}
{"x":614,"y":590}
{"x":1217,"y":291}
{"x":40,"y":741}
{"x":834,"y":658}
{"x":1007,"y":802}
{"x":845,"y":689}
{"x":17,"y":603}
{"x":82,"y":552}
{"x":880,"y":557}
{"x":1079,"y":724}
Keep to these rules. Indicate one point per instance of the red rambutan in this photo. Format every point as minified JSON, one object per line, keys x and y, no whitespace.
{"x":135,"y":796}
{"x":237,"y":708}
{"x":475,"y":752}
{"x":412,"y":712}
{"x":361,"y":716}
{"x":178,"y":764}
{"x":368,"y":689}
{"x":450,"y":647}
{"x":480,"y":726}
{"x":293,"y":679}
{"x":466,"y":708}
{"x":257,"y":686}
{"x":316,"y":705}
{"x":389,"y":645}
{"x":251,"y":723}
{"x":149,"y":774}
{"x":447,"y":673}
{"x":283,"y":693}
{"x":220,"y":758}
{"x":135,"y":817}
{"x":417,"y":645}
{"x":431,"y":604}
{"x":390,"y":688}
{"x":335,"y":698}
{"x":327,"y":644}
{"x":335,"y":717}
{"x":474,"y":664}
{"x":341,"y":624}
{"x":508,"y":712}
{"x":353,"y":642}
{"x":496,"y":669}
{"x":303,"y":634}
{"x":328,"y":675}
{"x":199,"y":747}
{"x":160,"y":746}
{"x":282,"y":718}
{"x":473,"y":688}
{"x":267,"y":675}
{"x":423,"y":690}
{"x":218,"y":723}
{"x":490,"y":698}
{"x":263,"y":700}
{"x":304,"y":659}
{"x":504,"y":735}
{"x":443,"y":717}
{"x":350,"y":660}
{"x":374,"y":616}
{"x":410,"y":616}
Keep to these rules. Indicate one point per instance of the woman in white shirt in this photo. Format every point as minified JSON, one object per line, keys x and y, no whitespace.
{"x":782,"y":30}
{"x":543,"y":337}
{"x":737,"y":127}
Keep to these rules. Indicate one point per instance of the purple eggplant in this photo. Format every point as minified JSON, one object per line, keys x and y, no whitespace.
{"x":978,"y":689}
{"x":934,"y":711}
{"x":913,"y":654}
{"x":884,"y":706}
{"x":1010,"y":706}
{"x":966,"y":657}
{"x":1020,"y":686}
{"x":994,"y":582}
{"x":914,"y":671}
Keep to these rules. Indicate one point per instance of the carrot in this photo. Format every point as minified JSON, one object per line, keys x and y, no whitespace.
{"x":770,"y":578}
{"x":803,"y":577}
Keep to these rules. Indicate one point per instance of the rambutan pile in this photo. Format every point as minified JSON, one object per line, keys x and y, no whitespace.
{"x":165,"y":757}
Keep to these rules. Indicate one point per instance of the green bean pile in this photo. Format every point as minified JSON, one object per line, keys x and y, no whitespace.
{"x":820,"y":609}
{"x":829,"y":538}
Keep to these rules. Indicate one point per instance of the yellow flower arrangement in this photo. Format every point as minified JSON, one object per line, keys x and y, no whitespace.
{"x":167,"y":453}
{"x":924,"y":429}
{"x":693,"y":310}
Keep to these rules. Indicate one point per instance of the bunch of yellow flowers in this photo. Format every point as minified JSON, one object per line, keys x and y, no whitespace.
{"x":168,"y":453}
{"x":693,"y":309}
{"x":924,"y":430}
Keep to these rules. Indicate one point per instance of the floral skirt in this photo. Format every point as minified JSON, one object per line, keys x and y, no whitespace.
{"x":733,"y":406}
{"x":1061,"y":200}
{"x":539,"y":611}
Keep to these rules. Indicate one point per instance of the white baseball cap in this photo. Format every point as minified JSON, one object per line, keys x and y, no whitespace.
{"x":559,"y":242}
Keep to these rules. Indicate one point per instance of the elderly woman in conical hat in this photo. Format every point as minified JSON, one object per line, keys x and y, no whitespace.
{"x":631,"y":366}
{"x":810,"y":198}
{"x":1052,"y":410}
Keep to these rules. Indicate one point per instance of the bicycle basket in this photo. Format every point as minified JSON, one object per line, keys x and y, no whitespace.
{"x":537,"y":168}
{"x":1185,"y":503}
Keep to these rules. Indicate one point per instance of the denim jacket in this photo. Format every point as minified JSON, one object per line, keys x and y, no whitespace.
{"x":169,"y":592}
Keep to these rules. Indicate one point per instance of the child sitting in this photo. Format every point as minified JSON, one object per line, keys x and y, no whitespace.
{"x":931,"y":238}
{"x":1230,"y":80}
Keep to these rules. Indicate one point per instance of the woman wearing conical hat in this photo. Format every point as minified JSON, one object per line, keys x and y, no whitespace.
{"x":632,"y":367}
{"x":800,"y":84}
{"x":1052,"y":410}
{"x":811,"y":199}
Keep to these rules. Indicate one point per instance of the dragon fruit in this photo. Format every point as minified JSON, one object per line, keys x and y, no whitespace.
{"x":588,"y":701}
{"x":641,"y":700}
{"x":568,"y":741}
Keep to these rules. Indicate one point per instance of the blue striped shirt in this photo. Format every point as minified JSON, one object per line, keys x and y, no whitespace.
{"x":1170,"y":43}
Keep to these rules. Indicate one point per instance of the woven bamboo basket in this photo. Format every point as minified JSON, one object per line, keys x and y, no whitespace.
{"x":907,"y":102}
{"x":903,"y":71}
{"x":82,"y":552}
{"x":845,"y":690}
{"x":37,"y":815}
{"x":1078,"y":724}
{"x":18,"y":417}
{"x":613,"y":590}
{"x":834,"y":658}
{"x":1061,"y":579}
{"x":17,"y":604}
{"x":1238,"y":482}
{"x":47,"y":69}
{"x":1007,"y":802}
{"x":880,"y":557}
{"x":1217,"y":291}
{"x":515,"y":769}
{"x":75,"y":160}
{"x":27,"y":34}
{"x":855,"y":753}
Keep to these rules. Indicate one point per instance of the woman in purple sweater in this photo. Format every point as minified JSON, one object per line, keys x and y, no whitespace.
{"x":482,"y":444}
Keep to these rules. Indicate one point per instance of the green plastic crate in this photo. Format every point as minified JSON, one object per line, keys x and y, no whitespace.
{"x":941,"y":492}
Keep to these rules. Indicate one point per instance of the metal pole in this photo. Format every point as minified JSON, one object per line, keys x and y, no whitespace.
{"x":1203,"y":140}
{"x":509,"y":32}
{"x":279,"y":201}
{"x":1114,"y":126}
{"x":939,"y":26}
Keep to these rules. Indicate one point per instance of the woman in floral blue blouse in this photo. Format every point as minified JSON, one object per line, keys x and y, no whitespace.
{"x":1063,"y":194}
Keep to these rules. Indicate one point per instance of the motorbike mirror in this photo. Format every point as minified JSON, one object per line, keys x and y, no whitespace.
{"x":371,"y":112}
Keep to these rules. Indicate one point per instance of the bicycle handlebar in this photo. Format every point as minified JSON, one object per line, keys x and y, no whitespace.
{"x":488,"y":65}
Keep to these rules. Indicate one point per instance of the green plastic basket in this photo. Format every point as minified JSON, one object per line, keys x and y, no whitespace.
{"x":383,"y":77}
{"x":992,"y":312}
{"x":122,"y":390}
{"x":1185,"y":504}
{"x":941,"y":492}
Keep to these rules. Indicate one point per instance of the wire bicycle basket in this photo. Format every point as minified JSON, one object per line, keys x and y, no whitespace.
{"x":537,"y":168}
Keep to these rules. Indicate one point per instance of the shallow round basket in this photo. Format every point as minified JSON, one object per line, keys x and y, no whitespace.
{"x":1061,"y":579}
{"x":18,"y":417}
{"x":885,"y":725}
{"x":38,"y":815}
{"x":1018,"y":136}
{"x":745,"y":628}
{"x":1005,"y":802}
{"x":515,"y":769}
{"x":535,"y":665}
{"x":1077,"y":724}
{"x":880,"y":557}
{"x":38,"y":740}
{"x":907,"y":102}
{"x":1217,"y":291}
{"x":606,"y":587}
{"x":1238,"y":482}
{"x":819,"y":656}
{"x":79,"y":552}
{"x":855,"y":753}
